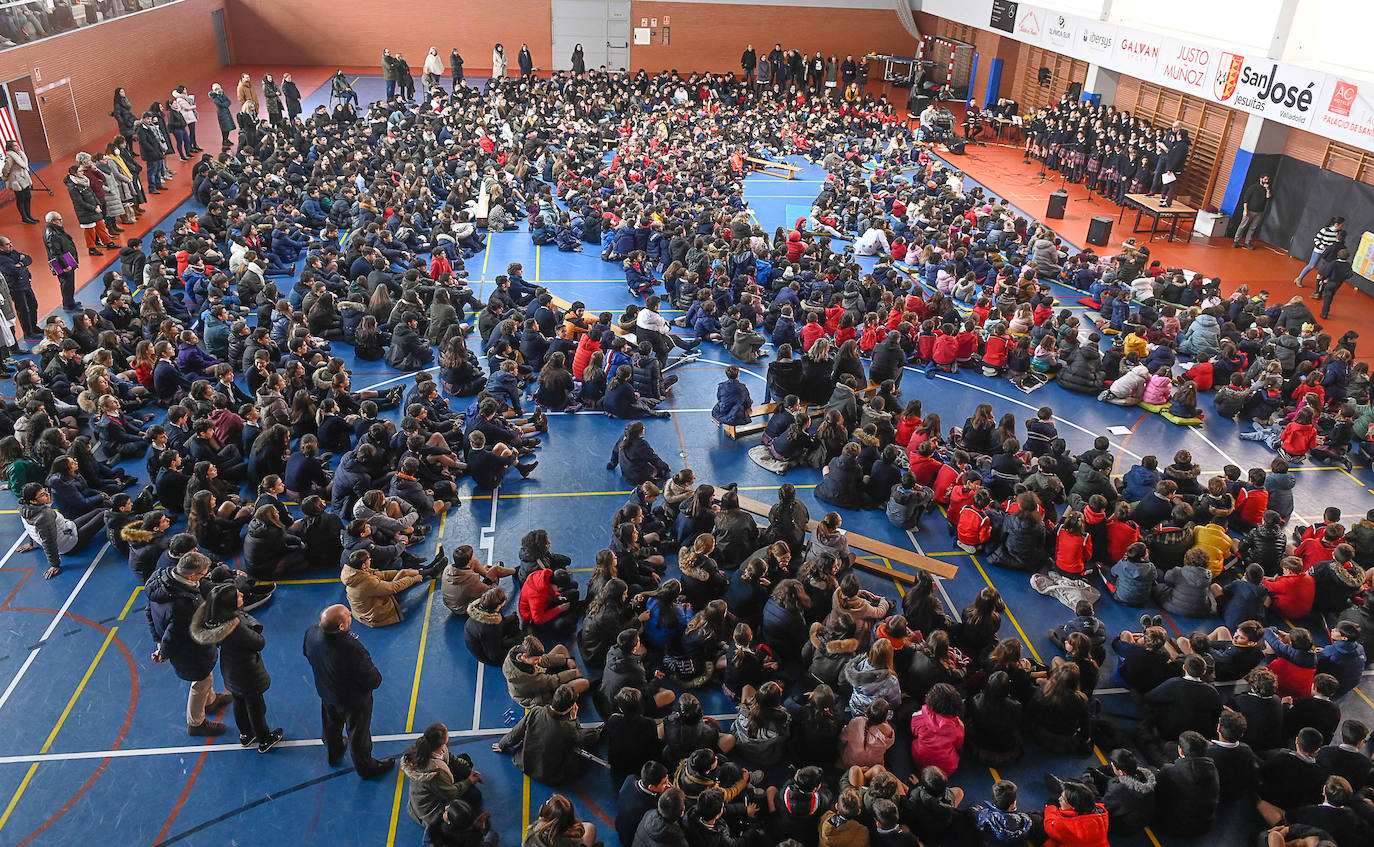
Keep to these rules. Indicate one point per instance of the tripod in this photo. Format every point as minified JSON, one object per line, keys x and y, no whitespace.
{"x":38,"y":183}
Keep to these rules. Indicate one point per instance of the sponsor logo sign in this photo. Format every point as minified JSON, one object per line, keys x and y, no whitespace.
{"x":1059,"y":33}
{"x":1282,"y":92}
{"x":1342,"y":96}
{"x":1029,"y":23}
{"x":1227,"y":76}
{"x":1184,"y":66}
{"x":1096,"y":38}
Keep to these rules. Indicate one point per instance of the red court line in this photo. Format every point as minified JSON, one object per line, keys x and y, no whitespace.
{"x":185,"y":793}
{"x":587,"y":801}
{"x":123,"y":729}
{"x":1127,"y":440}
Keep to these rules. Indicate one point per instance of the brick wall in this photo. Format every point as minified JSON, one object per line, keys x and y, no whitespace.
{"x":354,"y":33}
{"x":148,"y":54}
{"x":704,"y":36}
{"x":710,"y":36}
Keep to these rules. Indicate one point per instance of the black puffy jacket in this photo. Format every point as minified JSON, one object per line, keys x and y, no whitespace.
{"x":1024,"y":545}
{"x":1082,"y":370}
{"x":1264,"y":546}
{"x":240,"y":644}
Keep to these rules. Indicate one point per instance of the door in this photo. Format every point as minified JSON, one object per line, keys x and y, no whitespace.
{"x":602,"y":27}
{"x":28,"y":121}
{"x":221,"y":36}
{"x":618,"y":35}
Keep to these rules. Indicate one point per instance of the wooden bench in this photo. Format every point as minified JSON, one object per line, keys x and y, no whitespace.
{"x":564,"y":306}
{"x":872,"y":546}
{"x":762,"y":413}
{"x":778,"y":169}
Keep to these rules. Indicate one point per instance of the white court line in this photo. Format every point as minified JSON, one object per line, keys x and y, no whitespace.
{"x":1025,"y":405}
{"x":192,"y":749}
{"x":57,"y":618}
{"x":377,"y":385}
{"x":939,"y":583}
{"x":742,"y":369}
{"x":486,"y":541}
{"x":1220,"y":452}
{"x":23,"y":536}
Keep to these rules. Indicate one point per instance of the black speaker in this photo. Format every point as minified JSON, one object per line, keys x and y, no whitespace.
{"x":956,"y":146}
{"x":916,"y":102}
{"x":1100,"y":231}
{"x":1059,"y":201}
{"x":1075,"y":91}
{"x":1043,"y":76}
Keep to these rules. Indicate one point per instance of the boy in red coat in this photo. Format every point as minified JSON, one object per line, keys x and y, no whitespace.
{"x":944,"y":352}
{"x":995,"y":349}
{"x":974,"y":528}
{"x":1077,"y":821}
{"x":1292,"y":591}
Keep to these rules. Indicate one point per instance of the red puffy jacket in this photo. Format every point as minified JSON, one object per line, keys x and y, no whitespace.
{"x":1298,"y":438}
{"x":1070,"y":829}
{"x":539,"y":598}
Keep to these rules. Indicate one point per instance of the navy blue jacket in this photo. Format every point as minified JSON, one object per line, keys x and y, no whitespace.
{"x":345,"y":676}
{"x":171,"y":603}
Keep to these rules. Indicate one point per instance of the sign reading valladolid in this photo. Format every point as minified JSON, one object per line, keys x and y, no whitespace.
{"x":1340,"y":109}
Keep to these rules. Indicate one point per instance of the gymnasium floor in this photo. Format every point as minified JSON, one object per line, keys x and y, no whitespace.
{"x":96,"y":740}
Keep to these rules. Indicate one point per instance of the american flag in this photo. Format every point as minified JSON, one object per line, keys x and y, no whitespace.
{"x":8,"y":130}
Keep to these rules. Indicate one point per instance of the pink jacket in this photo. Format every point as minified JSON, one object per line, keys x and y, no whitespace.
{"x":1158,"y":390}
{"x":936,"y":740}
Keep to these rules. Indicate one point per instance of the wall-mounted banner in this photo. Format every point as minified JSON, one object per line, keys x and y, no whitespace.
{"x":1338,"y":108}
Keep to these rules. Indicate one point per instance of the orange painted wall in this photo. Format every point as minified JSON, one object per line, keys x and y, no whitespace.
{"x":97,"y":59}
{"x":354,"y":32}
{"x":711,"y":36}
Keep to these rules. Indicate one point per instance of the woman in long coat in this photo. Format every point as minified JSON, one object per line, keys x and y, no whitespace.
{"x":224,"y":113}
{"x":499,"y":62}
{"x":272,"y":94}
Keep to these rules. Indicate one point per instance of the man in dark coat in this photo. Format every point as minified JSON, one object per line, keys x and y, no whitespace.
{"x":1173,"y":150}
{"x":151,"y":148}
{"x":345,"y":678}
{"x":173,"y":595}
{"x":1184,"y":702}
{"x":749,"y":61}
{"x":14,"y":264}
{"x":62,"y":259}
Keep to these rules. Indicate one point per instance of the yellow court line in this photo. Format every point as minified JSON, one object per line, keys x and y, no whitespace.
{"x":1357,"y":480}
{"x":996,"y":777}
{"x":1030,"y":645}
{"x":901,"y":589}
{"x":525,"y":804}
{"x":47,"y":745}
{"x":538,"y":252}
{"x":1364,"y":697}
{"x":410,"y":715}
{"x":133,"y":595}
{"x":333,"y":581}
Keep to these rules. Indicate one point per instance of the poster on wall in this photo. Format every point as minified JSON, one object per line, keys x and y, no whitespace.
{"x":1363,"y":263}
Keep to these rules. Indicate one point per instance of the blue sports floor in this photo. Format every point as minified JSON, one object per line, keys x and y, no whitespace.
{"x":95,"y":743}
